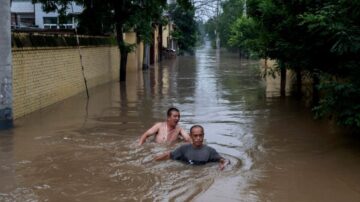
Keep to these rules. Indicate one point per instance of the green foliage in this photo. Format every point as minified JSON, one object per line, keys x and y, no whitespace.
{"x":336,"y":28}
{"x":60,"y":6}
{"x":185,"y":30}
{"x":335,"y":25}
{"x":341,"y":102}
{"x":96,"y":18}
{"x":127,"y":46}
{"x":185,"y":4}
{"x":244,"y":35}
{"x":232,"y":10}
{"x":102,"y":16}
{"x":124,"y":15}
{"x":315,"y":36}
{"x":143,"y":20}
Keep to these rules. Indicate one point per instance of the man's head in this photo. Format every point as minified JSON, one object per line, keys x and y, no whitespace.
{"x":173,"y":116}
{"x":197,"y":135}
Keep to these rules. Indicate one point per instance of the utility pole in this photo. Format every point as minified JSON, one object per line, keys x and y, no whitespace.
{"x":6,"y":119}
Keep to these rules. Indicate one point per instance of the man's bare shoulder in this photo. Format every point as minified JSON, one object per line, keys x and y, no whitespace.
{"x":158,"y":125}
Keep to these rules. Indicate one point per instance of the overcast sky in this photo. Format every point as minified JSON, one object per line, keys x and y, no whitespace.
{"x":206,"y":9}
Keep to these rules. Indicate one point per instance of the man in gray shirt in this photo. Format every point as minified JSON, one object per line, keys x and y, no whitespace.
{"x":196,"y":153}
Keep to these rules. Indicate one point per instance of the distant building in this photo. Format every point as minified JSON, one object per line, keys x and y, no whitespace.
{"x":167,"y":40}
{"x":25,"y":14}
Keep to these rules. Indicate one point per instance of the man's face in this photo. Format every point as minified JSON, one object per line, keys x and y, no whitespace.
{"x":197,"y":136}
{"x":174,"y":117}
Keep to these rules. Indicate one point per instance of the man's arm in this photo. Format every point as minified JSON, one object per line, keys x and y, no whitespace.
{"x":223,"y":162}
{"x":215,"y":157}
{"x":163,"y":156}
{"x":185,"y":135}
{"x":153,"y":130}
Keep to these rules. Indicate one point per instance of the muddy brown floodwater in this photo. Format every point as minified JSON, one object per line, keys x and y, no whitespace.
{"x":80,"y":150}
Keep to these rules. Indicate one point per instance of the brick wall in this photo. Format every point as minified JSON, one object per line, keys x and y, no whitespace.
{"x":43,"y":76}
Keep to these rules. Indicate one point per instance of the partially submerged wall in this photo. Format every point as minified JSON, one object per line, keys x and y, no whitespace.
{"x":45,"y":75}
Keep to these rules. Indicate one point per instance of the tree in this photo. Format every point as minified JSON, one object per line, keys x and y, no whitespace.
{"x":336,"y":29}
{"x":124,"y":14}
{"x":185,"y":31}
{"x":210,"y":27}
{"x":221,"y":23}
{"x":319,"y":37}
{"x":231,"y":11}
{"x":96,"y":19}
{"x":244,"y":34}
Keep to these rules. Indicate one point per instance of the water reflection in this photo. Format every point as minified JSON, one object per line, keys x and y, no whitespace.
{"x":87,"y":151}
{"x":7,"y":164}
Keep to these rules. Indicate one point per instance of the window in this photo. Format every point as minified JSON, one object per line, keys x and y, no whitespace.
{"x":58,"y":23}
{"x":27,"y":19}
{"x":22,"y":20}
{"x":50,"y":20}
{"x":66,"y":20}
{"x":21,"y":0}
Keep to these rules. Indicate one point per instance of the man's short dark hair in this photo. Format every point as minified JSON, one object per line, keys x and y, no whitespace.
{"x":197,"y":126}
{"x":172,"y":109}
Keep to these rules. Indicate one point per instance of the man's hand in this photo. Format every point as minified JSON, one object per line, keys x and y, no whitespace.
{"x":142,"y":140}
{"x":223,"y":163}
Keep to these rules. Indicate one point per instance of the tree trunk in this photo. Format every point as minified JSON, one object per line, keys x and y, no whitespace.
{"x":316,"y":96}
{"x":282,"y":80}
{"x":6,"y":119}
{"x":160,"y":42}
{"x":146,"y":60}
{"x":123,"y":62}
{"x":123,"y":51}
{"x":298,"y":92}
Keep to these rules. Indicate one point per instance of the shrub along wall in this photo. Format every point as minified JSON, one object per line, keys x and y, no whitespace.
{"x":47,"y":68}
{"x":21,"y":40}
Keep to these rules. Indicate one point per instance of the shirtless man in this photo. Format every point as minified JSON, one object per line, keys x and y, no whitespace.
{"x":195,"y":153}
{"x":167,"y":132}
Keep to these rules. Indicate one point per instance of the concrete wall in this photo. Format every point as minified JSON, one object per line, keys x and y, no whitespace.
{"x":42,"y":77}
{"x":273,"y":84}
{"x":166,"y":38}
{"x":133,"y":57}
{"x":166,"y":33}
{"x":156,"y":43}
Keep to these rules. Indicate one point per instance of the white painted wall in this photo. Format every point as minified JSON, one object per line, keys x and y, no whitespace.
{"x":22,"y":7}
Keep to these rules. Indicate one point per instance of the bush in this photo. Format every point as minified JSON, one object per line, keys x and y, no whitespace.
{"x":22,"y":40}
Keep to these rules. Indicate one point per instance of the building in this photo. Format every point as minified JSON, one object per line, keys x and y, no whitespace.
{"x":25,"y":14}
{"x":167,"y":40}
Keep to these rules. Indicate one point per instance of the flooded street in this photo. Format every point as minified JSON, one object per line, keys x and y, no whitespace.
{"x":80,"y":150}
